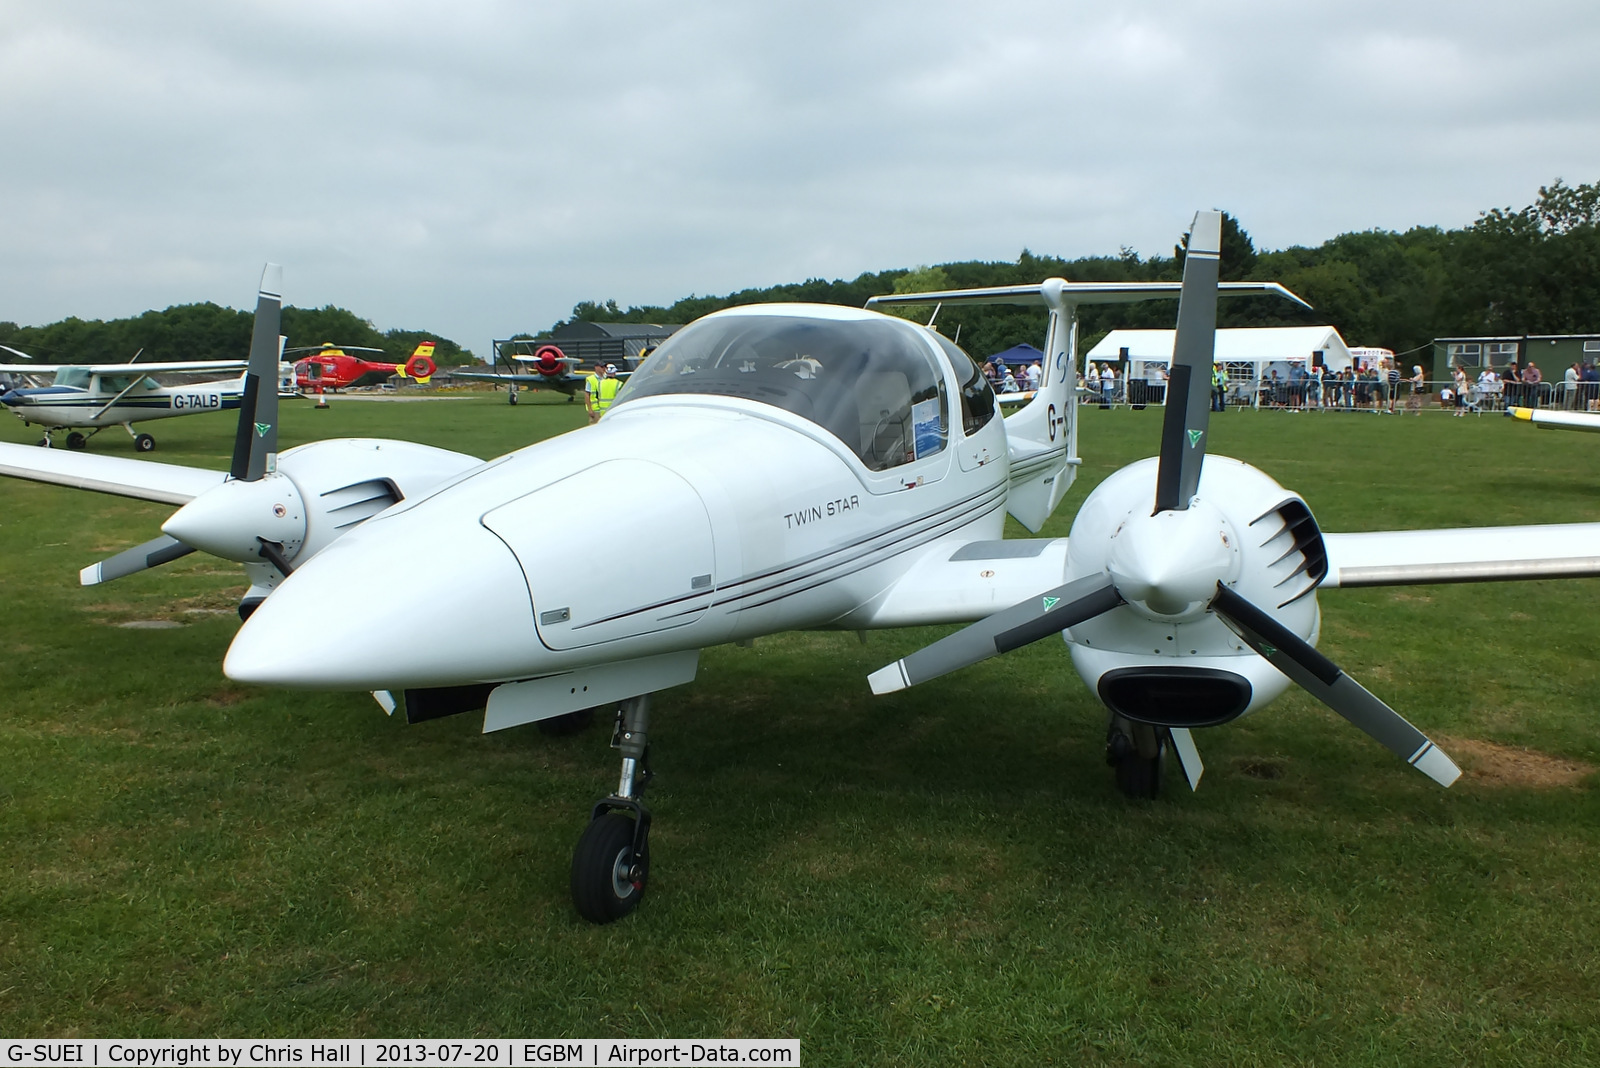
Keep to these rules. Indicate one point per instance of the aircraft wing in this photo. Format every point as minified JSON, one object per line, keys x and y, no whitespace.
{"x":1545,"y":417}
{"x":29,"y":368}
{"x":521,"y":380}
{"x":141,"y":479}
{"x":1469,"y":554}
{"x":172,"y":368}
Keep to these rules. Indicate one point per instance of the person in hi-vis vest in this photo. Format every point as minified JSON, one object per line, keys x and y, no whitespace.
{"x":600,"y":390}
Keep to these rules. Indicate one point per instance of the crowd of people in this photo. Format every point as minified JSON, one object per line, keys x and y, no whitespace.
{"x":1002,"y":379}
{"x":1377,"y":387}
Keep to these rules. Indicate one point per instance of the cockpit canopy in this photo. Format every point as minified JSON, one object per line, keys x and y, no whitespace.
{"x":874,"y":384}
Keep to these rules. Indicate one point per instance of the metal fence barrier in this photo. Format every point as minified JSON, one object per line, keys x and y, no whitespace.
{"x":1361,"y":395}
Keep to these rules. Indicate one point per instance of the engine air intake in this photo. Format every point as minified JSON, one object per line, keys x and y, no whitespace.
{"x":1175,"y":696}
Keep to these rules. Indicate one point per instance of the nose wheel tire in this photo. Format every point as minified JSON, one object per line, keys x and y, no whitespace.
{"x":511,"y":398}
{"x":608,"y":874}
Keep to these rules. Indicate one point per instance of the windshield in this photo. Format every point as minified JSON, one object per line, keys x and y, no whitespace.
{"x":72,"y":376}
{"x":873,"y":385}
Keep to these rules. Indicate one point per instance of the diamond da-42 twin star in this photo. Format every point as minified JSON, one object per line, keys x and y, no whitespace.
{"x":801,"y":466}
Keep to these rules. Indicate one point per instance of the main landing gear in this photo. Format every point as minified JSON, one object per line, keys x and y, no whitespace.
{"x":141,"y":442}
{"x":611,"y":866}
{"x":1137,"y":752}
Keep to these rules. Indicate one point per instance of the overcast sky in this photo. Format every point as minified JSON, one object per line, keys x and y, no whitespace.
{"x":476,"y":168}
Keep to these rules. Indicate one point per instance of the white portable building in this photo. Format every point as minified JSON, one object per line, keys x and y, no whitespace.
{"x":1250,"y":354}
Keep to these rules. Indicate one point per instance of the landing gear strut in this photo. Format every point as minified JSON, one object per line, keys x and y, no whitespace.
{"x":611,"y":866}
{"x":1138,"y":754}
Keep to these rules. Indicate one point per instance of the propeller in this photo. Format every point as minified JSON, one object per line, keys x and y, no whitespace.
{"x":1166,"y":558}
{"x":1188,"y":414}
{"x":255,"y":450}
{"x":1323,"y":679}
{"x":1011,"y":628}
{"x":255,"y":443}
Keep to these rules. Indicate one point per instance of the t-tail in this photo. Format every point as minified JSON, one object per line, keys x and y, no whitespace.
{"x":1043,"y":434}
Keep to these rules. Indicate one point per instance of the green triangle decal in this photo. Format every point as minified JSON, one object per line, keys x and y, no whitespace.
{"x":1051,"y":602}
{"x":1194,"y":437}
{"x":1268,"y":651}
{"x":262,"y":428}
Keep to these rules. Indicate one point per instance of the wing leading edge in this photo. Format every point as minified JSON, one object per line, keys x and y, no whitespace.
{"x":1468,"y":554}
{"x":140,"y":479}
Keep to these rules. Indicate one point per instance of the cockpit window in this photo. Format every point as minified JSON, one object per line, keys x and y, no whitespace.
{"x":977,"y":399}
{"x":118,"y":383}
{"x":72,"y":376}
{"x":873,"y":385}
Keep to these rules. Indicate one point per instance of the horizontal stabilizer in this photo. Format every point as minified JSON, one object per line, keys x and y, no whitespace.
{"x":1053,"y":291}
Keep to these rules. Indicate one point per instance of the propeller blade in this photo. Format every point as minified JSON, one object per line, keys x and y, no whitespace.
{"x":153,"y":553}
{"x":1323,"y":679}
{"x":1188,"y":415}
{"x":1010,"y":628}
{"x":255,"y":445}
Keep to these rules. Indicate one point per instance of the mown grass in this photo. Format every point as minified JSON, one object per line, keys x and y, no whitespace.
{"x":943,"y":876}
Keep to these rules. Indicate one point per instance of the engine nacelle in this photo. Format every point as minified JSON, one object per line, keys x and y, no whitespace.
{"x":1164,"y":658}
{"x":318,"y":492}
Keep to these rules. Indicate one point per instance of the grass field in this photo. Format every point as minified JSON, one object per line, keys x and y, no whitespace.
{"x":945,"y":876}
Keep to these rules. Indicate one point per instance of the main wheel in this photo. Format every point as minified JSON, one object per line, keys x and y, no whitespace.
{"x":607,"y":879}
{"x":76,"y":440}
{"x":144,"y":443}
{"x":571,"y":723}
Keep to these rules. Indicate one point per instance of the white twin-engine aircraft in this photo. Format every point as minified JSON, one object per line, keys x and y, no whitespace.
{"x":804,"y":466}
{"x":91,"y":397}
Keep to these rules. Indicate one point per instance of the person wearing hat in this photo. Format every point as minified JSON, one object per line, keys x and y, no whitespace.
{"x":600,"y":390}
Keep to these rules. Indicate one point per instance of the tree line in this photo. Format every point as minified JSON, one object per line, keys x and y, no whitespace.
{"x":210,"y":332}
{"x":1534,"y":270}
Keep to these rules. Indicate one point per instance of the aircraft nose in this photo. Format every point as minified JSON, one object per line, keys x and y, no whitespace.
{"x":368,"y":614}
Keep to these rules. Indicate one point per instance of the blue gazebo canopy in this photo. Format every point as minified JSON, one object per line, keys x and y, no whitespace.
{"x":1018,"y":354}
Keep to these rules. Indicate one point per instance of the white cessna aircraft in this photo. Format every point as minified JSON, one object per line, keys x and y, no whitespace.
{"x":91,"y":397}
{"x":802,"y":466}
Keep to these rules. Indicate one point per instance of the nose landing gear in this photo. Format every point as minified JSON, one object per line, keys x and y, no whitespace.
{"x":611,"y":865}
{"x":1137,"y":752}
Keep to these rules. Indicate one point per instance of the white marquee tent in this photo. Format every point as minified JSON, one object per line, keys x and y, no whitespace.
{"x":1249,"y":354}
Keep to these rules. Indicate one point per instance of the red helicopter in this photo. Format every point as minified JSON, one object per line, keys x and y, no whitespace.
{"x":331,"y":367}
